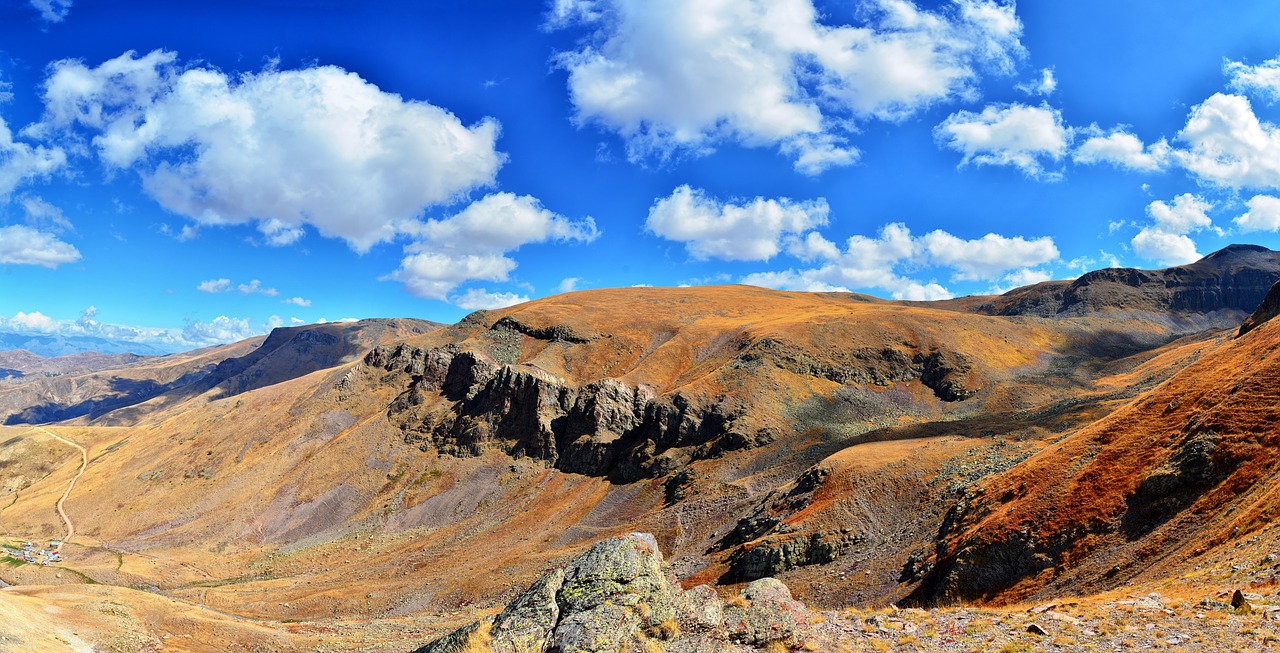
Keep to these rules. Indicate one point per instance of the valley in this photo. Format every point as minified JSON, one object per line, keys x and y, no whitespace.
{"x":918,"y":474}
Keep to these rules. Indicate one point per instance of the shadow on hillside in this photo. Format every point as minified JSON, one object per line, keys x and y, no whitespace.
{"x":123,"y":392}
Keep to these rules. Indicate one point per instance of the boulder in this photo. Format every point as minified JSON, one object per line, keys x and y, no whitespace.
{"x":620,"y":596}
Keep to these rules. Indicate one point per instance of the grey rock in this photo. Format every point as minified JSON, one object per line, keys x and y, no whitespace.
{"x":527,"y":622}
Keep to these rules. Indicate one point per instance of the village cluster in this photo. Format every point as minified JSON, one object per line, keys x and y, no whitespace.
{"x":32,"y":555}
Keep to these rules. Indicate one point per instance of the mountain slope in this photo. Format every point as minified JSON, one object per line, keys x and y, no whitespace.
{"x":1187,"y":467}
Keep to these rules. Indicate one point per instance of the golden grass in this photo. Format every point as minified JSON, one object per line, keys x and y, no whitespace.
{"x":480,"y":640}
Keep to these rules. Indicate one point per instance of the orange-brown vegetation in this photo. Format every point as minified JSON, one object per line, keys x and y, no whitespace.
{"x":282,"y":503}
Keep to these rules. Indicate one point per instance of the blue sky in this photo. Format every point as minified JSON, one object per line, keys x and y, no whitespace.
{"x":187,"y":173}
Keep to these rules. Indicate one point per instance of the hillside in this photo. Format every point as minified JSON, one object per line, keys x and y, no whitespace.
{"x":1145,"y":493}
{"x":393,"y":475}
{"x":89,"y":386}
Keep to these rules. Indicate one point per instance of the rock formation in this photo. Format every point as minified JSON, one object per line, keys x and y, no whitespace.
{"x":1234,"y":278}
{"x":619,"y":596}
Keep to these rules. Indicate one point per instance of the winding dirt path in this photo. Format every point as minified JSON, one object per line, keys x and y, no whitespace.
{"x":84,"y":462}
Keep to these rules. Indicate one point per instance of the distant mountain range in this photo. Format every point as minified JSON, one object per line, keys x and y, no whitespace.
{"x":51,"y":346}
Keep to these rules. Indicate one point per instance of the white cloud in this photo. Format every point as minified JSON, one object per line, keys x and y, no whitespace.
{"x":1020,"y":278}
{"x":1229,"y":146}
{"x":1187,"y":213}
{"x":680,"y":77}
{"x":1045,"y":85}
{"x":884,"y":261}
{"x":254,"y":287}
{"x":473,"y":243}
{"x":1164,"y":248}
{"x":812,"y":246}
{"x":35,"y":321}
{"x":329,"y":150}
{"x":479,"y":298}
{"x":52,"y":11}
{"x":750,"y":231}
{"x":1010,"y":135}
{"x":568,"y":284}
{"x":214,"y":285}
{"x":219,"y":330}
{"x":989,"y":256}
{"x":1165,"y":240}
{"x":22,"y":245}
{"x":296,"y":301}
{"x":1263,"y":214}
{"x":1262,"y":80}
{"x":21,"y":162}
{"x":43,"y":215}
{"x":1123,"y":149}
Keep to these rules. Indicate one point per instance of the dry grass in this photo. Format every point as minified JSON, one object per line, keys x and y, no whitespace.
{"x":480,"y":640}
{"x":668,"y":629}
{"x":776,"y":646}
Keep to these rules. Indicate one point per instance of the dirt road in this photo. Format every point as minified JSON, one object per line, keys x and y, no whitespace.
{"x":84,"y":462}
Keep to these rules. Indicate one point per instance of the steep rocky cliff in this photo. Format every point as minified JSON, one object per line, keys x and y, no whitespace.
{"x":460,"y":397}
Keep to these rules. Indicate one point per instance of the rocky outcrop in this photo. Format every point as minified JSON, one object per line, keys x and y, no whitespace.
{"x":1235,"y":278}
{"x":606,"y":428}
{"x":1269,"y":308}
{"x":619,"y":596}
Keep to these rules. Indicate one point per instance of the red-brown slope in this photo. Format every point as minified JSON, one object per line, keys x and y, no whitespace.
{"x":1183,"y":469}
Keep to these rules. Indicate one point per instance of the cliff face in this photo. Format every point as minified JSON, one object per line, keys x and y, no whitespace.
{"x":604,"y":428}
{"x":1235,"y":278}
{"x":1269,"y":308}
{"x":618,"y":406}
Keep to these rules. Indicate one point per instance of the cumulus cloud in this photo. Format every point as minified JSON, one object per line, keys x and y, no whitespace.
{"x":750,"y":231}
{"x":21,"y":162}
{"x":989,"y":256}
{"x":1008,"y":135}
{"x":214,"y":285}
{"x":1123,"y":149}
{"x":220,"y":330}
{"x":568,"y":284}
{"x":1165,"y":248}
{"x":23,"y":245}
{"x":473,"y":243}
{"x":1261,"y":81}
{"x":479,"y":298}
{"x":254,"y":287}
{"x":52,"y":11}
{"x":881,"y":262}
{"x":297,"y":301}
{"x":1229,"y":146}
{"x":679,"y":77}
{"x":283,"y":149}
{"x":1166,"y":239}
{"x":1187,"y":213}
{"x":1263,"y":214}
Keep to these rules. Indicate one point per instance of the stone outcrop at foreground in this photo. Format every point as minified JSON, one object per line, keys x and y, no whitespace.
{"x":619,"y":596}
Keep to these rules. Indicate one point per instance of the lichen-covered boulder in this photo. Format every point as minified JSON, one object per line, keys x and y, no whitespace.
{"x":768,"y":614}
{"x":619,"y":596}
{"x":527,"y":622}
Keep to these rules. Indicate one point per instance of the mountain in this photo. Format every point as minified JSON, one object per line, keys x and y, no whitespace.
{"x":383,"y":483}
{"x":1233,"y":279}
{"x":1153,"y":490}
{"x":135,"y":385}
{"x":57,"y":345}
